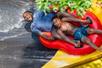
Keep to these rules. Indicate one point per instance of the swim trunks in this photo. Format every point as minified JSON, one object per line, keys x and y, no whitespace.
{"x":80,"y":33}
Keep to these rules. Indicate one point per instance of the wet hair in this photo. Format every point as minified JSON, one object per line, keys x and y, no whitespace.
{"x":28,"y":12}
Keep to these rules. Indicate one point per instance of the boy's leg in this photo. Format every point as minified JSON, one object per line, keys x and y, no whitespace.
{"x":89,"y":42}
{"x":94,"y":31}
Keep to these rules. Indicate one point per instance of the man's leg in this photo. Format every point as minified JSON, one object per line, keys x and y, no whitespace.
{"x":89,"y":42}
{"x":37,"y":44}
{"x":35,"y":37}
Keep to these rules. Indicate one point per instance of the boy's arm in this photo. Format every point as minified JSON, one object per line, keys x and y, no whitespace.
{"x":66,"y":17}
{"x":64,"y":14}
{"x":72,"y":19}
{"x":65,"y":38}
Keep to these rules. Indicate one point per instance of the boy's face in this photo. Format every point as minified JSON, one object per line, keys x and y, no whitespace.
{"x":57,"y":22}
{"x":28,"y":16}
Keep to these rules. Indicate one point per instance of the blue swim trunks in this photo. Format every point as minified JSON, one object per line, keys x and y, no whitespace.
{"x":80,"y":33}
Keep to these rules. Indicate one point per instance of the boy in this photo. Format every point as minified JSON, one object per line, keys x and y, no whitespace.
{"x":39,"y":23}
{"x":62,"y":28}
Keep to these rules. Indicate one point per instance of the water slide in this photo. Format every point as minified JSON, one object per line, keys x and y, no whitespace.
{"x":17,"y":48}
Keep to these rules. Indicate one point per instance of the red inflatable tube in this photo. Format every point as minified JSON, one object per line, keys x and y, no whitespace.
{"x":70,"y":49}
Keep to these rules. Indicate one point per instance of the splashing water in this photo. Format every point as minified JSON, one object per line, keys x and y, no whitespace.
{"x":11,"y":16}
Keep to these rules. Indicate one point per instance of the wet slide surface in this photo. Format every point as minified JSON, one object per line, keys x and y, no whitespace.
{"x":17,"y":48}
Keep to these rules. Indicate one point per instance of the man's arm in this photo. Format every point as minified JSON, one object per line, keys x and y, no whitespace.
{"x":47,"y":37}
{"x":40,"y":33}
{"x":65,"y":38}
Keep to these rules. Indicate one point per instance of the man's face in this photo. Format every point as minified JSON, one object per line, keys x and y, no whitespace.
{"x":57,"y":22}
{"x":28,"y":16}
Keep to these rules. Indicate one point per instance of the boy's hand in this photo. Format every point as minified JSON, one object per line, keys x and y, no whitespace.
{"x":43,"y":34}
{"x":47,"y":36}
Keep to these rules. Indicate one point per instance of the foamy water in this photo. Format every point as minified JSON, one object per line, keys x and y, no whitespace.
{"x":11,"y":14}
{"x":11,"y":17}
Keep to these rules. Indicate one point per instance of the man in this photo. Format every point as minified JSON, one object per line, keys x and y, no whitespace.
{"x":39,"y":23}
